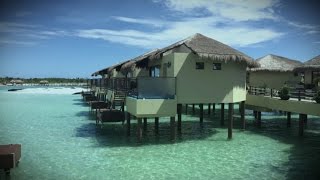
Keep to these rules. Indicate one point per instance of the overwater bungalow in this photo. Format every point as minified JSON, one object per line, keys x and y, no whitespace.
{"x":274,"y":72}
{"x":44,"y":83}
{"x":310,"y":70}
{"x":16,"y":82}
{"x":197,"y":70}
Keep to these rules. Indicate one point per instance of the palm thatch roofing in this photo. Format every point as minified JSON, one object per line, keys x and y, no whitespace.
{"x":208,"y":48}
{"x":276,"y":63}
{"x":198,"y":44}
{"x":108,"y":70}
{"x":16,"y":81}
{"x":44,"y":82}
{"x":312,"y":64}
{"x":140,"y":62}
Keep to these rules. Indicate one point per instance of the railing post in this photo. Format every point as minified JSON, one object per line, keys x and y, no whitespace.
{"x":271,"y":93}
{"x":299,"y":95}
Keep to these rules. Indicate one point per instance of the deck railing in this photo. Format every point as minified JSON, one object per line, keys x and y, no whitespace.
{"x":297,"y":92}
{"x":152,"y":87}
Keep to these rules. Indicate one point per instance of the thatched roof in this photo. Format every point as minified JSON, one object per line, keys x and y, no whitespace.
{"x":17,"y":81}
{"x":312,"y":64}
{"x":198,"y":44}
{"x":117,"y":66}
{"x":108,"y":70}
{"x":140,"y":61}
{"x":276,"y":63}
{"x":209,"y":48}
{"x":44,"y":82}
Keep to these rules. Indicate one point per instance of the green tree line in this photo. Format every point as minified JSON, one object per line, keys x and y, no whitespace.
{"x":5,"y":80}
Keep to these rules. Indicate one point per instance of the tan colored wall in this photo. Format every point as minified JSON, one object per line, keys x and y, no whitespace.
{"x":140,"y":72}
{"x":307,"y":77}
{"x":271,"y":79}
{"x":301,"y":107}
{"x":117,"y":74}
{"x":205,"y":86}
{"x":151,"y":107}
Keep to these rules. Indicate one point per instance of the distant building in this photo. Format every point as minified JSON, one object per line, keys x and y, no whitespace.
{"x":44,"y":82}
{"x":274,"y":72}
{"x":310,"y":70}
{"x":16,"y":82}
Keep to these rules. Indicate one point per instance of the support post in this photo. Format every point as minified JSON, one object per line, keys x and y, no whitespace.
{"x":179,"y":110}
{"x":186,"y":108}
{"x":156,"y":125}
{"x":301,"y":123}
{"x":259,"y":119}
{"x":305,"y":120}
{"x":213,"y":108}
{"x":193,"y":109}
{"x":288,"y":119}
{"x":145,"y":124}
{"x":128,"y":124}
{"x":222,"y":115}
{"x":139,"y":129}
{"x":209,"y":108}
{"x":201,"y":113}
{"x":230,"y":118}
{"x":242,"y":114}
{"x":173,"y":128}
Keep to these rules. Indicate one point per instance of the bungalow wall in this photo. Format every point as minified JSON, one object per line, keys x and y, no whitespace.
{"x":140,"y":72}
{"x":204,"y":85}
{"x":272,"y":79}
{"x":308,"y":77}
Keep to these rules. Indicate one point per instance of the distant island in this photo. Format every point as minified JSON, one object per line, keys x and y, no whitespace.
{"x":42,"y":81}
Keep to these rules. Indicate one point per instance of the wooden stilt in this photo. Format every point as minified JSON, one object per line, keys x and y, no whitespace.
{"x":213,"y":108}
{"x":201,"y":113}
{"x":230,"y":118}
{"x":301,"y":123}
{"x":209,"y":108}
{"x":173,"y":128}
{"x":242,"y":114}
{"x":145,"y":124}
{"x":186,"y":108}
{"x":193,"y":109}
{"x":288,"y":119}
{"x":156,"y":125}
{"x":179,"y":110}
{"x":139,"y":130}
{"x":255,"y":114}
{"x":305,"y":120}
{"x":259,"y":119}
{"x":222,"y":115}
{"x":128,"y":124}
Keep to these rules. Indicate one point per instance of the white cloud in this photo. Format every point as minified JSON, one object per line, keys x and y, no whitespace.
{"x":152,"y":22}
{"x":302,"y":26}
{"x":237,"y":10}
{"x":313,"y":32}
{"x":234,"y":35}
{"x":23,"y":43}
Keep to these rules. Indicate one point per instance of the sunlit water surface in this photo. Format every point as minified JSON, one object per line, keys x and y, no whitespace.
{"x":61,"y":141}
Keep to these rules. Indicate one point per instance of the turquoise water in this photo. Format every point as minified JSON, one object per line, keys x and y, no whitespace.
{"x":61,"y":141}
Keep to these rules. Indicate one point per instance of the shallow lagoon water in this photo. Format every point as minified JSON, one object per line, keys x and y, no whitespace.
{"x":61,"y":141}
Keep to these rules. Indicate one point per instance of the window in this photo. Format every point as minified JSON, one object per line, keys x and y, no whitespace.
{"x":154,"y":71}
{"x":199,"y":65}
{"x":216,"y":66}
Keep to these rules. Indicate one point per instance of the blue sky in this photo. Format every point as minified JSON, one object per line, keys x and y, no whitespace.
{"x":42,"y":38}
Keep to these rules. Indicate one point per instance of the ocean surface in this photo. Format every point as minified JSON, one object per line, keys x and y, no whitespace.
{"x":61,"y":141}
